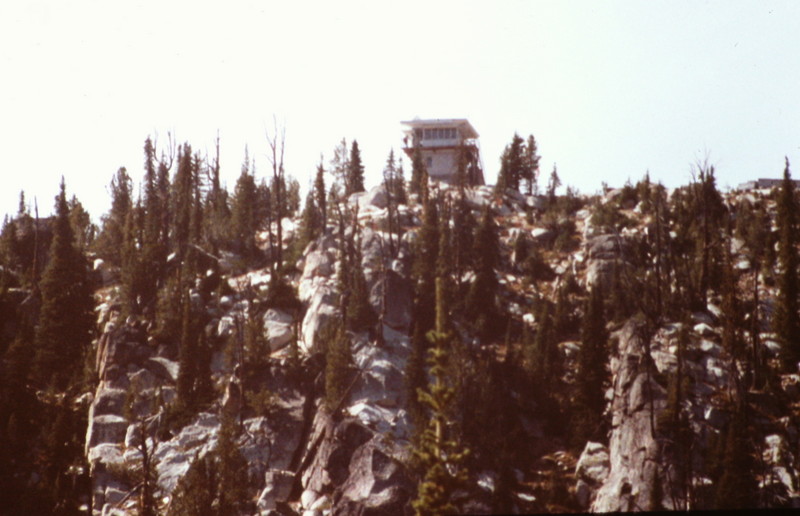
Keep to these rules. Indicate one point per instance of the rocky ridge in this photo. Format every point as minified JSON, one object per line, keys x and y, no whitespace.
{"x":302,"y":458}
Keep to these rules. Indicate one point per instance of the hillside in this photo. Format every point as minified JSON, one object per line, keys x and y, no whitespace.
{"x":635,"y":350}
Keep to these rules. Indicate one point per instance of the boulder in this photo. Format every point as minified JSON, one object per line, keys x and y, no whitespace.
{"x":593,"y":464}
{"x":277,"y":487}
{"x":607,"y":247}
{"x":105,"y":454}
{"x":106,"y":429}
{"x":376,"y":481}
{"x":376,"y":198}
{"x":317,"y":263}
{"x":321,"y":309}
{"x":543,"y":235}
{"x":163,"y":368}
{"x":108,"y":401}
{"x":477,"y":198}
{"x":278,"y":329}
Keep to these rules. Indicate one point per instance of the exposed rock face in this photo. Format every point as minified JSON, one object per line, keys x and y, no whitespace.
{"x":633,"y":450}
{"x":591,"y":471}
{"x":606,"y":253}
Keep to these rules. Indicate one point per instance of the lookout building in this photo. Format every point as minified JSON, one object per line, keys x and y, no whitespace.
{"x":441,"y":142}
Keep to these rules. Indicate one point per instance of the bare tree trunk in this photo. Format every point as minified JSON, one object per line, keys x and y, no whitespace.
{"x":277,"y":145}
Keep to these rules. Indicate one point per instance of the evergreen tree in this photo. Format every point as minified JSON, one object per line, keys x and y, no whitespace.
{"x":737,"y":488}
{"x":66,"y":318}
{"x":339,"y":167}
{"x":419,"y":175}
{"x":338,"y":363}
{"x":217,"y":484}
{"x":591,"y":375}
{"x":109,"y":242}
{"x":187,"y":356}
{"x":552,"y":185}
{"x":512,"y":165}
{"x":787,"y":320}
{"x":310,"y":223}
{"x":319,"y":196}
{"x":183,"y":199}
{"x":81,"y":224}
{"x":440,"y":457}
{"x":360,"y":315}
{"x":530,"y":168}
{"x":244,"y":216}
{"x":156,"y":227}
{"x":132,"y":269}
{"x":481,"y":302}
{"x":217,"y":222}
{"x":355,"y":171}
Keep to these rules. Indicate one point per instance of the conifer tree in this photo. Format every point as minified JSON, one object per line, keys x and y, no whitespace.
{"x":481,"y":302}
{"x":339,"y":167}
{"x":132,"y":269}
{"x":319,"y":195}
{"x":156,"y":227}
{"x":787,"y":320}
{"x":310,"y":223}
{"x":512,"y":166}
{"x":552,"y":185}
{"x":217,"y":484}
{"x":530,"y":168}
{"x":440,"y":456}
{"x":338,"y":362}
{"x":244,"y":216}
{"x":731,"y":310}
{"x":109,"y":242}
{"x":64,"y":331}
{"x":424,"y":266}
{"x":360,"y":315}
{"x":81,"y":224}
{"x":591,"y":375}
{"x":419,"y":175}
{"x":183,"y":199}
{"x":355,"y":171}
{"x":737,"y":488}
{"x":187,"y":355}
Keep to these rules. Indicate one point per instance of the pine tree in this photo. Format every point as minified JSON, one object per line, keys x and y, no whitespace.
{"x":132,"y":268}
{"x":218,"y":216}
{"x":183,"y":199}
{"x":338,"y":363}
{"x":355,"y":171}
{"x":419,"y":175}
{"x":244,"y":216}
{"x":552,"y":185}
{"x":339,"y":167}
{"x":481,"y":301}
{"x":319,"y":196}
{"x":187,"y":355}
{"x":439,"y":455}
{"x":425,"y":257}
{"x":591,"y":375}
{"x":66,"y":318}
{"x":217,"y":484}
{"x":512,"y":165}
{"x":81,"y":224}
{"x":310,"y":223}
{"x":737,"y":488}
{"x":530,"y":168}
{"x":109,"y":242}
{"x":787,"y":320}
{"x":156,"y":227}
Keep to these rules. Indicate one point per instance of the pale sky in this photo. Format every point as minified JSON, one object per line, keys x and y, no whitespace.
{"x":609,"y":89}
